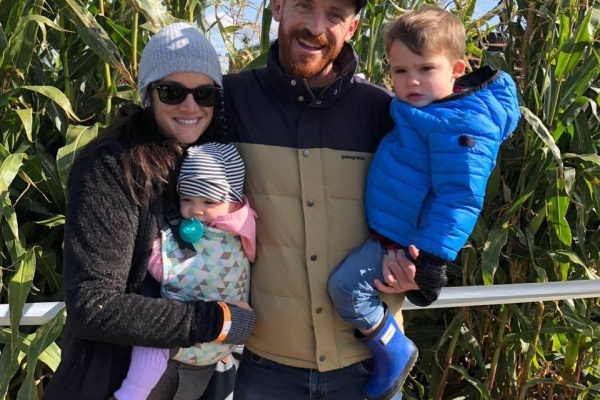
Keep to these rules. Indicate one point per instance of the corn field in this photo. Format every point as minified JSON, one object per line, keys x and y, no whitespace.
{"x":67,"y":65}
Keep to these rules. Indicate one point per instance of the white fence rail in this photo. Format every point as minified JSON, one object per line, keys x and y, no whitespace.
{"x":461,"y":296}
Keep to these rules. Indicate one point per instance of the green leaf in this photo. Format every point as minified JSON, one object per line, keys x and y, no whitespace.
{"x":8,"y":212}
{"x":18,"y":290}
{"x":26,"y":116}
{"x":3,"y":46}
{"x":154,"y":12}
{"x":45,"y":164}
{"x":580,"y":80}
{"x":10,"y":230}
{"x":475,"y":382}
{"x":53,"y":222}
{"x":593,"y":158}
{"x":56,"y":96}
{"x":265,"y":32}
{"x":92,"y":34}
{"x":567,"y":117}
{"x":9,"y":365}
{"x":472,"y":347}
{"x":572,"y":258}
{"x":9,"y":169}
{"x":514,"y":209}
{"x":491,"y":254}
{"x":453,"y":327}
{"x":44,"y":336}
{"x":258,"y":62}
{"x":540,"y":129}
{"x":549,"y":98}
{"x":232,"y":28}
{"x":120,"y":35}
{"x":41,"y":20}
{"x":231,"y":50}
{"x":495,"y":60}
{"x":77,"y":137}
{"x":584,"y":140}
{"x":50,"y":357}
{"x":531,"y":246}
{"x":572,"y":52}
{"x":46,"y":268}
{"x":557,"y":204}
{"x":21,"y":43}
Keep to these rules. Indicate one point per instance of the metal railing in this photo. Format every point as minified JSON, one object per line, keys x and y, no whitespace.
{"x":459,"y":296}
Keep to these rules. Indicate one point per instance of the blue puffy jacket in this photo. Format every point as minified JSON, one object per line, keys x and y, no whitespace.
{"x":427,"y":180}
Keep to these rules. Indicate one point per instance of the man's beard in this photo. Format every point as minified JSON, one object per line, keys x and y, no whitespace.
{"x":304,"y":66}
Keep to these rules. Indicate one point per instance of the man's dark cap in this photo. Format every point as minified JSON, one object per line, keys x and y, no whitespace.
{"x":360,"y":4}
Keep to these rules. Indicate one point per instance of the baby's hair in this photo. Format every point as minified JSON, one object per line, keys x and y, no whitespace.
{"x":428,"y":28}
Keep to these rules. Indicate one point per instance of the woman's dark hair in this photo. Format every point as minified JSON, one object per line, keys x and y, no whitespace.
{"x":150,"y":157}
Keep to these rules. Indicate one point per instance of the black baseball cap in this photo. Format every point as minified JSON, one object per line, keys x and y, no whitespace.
{"x":361,"y":3}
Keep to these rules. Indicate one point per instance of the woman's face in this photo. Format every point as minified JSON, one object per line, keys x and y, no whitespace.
{"x":186,"y":121}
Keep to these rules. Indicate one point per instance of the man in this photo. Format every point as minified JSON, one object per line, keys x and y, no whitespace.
{"x":307,"y":129}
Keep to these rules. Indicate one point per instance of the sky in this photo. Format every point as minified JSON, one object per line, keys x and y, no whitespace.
{"x":482,"y":6}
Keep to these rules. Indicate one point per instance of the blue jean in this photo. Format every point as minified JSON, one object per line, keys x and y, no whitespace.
{"x":351,"y":287}
{"x":262,"y":379}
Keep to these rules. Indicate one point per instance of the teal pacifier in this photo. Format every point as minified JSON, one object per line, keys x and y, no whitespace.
{"x":191,"y":230}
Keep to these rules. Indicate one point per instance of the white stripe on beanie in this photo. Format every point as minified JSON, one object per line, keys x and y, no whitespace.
{"x":212,"y":170}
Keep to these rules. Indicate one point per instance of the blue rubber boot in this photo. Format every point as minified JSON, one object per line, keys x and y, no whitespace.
{"x":393,"y":357}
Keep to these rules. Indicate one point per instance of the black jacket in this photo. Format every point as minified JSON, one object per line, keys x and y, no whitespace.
{"x":108,"y":240}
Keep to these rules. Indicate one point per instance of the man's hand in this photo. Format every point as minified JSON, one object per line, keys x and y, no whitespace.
{"x":398,"y":272}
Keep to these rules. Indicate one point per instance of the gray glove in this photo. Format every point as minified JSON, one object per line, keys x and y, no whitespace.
{"x":242,"y":324}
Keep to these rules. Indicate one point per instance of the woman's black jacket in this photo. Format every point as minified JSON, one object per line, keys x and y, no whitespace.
{"x":107,"y":243}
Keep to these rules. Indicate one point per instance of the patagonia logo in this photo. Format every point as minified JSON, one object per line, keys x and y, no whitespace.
{"x":388,"y":335}
{"x":466,"y":141}
{"x":349,"y":157}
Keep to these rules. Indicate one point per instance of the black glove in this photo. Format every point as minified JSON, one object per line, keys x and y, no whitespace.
{"x":431,"y":278}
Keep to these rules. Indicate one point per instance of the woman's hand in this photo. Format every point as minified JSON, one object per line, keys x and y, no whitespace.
{"x":398,"y":272}
{"x":241,"y":304}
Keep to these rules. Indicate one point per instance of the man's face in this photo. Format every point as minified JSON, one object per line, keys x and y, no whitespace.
{"x":312,"y":33}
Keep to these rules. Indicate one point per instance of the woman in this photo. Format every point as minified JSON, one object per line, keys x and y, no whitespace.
{"x":118,"y":192}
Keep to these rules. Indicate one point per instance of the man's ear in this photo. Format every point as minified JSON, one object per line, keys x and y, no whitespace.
{"x":458,"y":69}
{"x":277,"y":4}
{"x":351,"y":29}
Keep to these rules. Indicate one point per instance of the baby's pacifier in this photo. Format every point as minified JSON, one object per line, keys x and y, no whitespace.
{"x":191,"y":230}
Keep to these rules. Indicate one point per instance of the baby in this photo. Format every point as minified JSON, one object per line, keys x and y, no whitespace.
{"x":219,"y":226}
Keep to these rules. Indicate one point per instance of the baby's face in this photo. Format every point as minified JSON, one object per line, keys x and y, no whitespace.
{"x":204,"y":209}
{"x":421,"y":79}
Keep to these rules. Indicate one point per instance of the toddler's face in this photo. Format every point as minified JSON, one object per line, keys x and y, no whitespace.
{"x":204,"y":209}
{"x":421,"y":79}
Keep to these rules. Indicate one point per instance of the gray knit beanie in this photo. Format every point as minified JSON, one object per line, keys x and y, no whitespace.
{"x":177,"y":48}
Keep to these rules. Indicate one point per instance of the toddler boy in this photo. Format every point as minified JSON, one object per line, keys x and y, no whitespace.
{"x":427,"y":181}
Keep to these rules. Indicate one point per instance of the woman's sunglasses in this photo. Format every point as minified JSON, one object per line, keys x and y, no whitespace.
{"x":205,"y":96}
